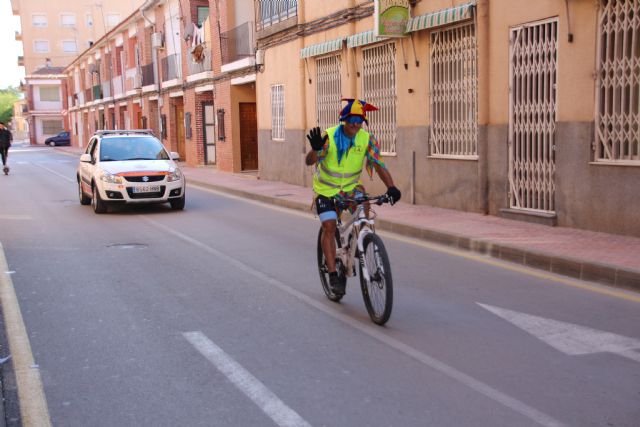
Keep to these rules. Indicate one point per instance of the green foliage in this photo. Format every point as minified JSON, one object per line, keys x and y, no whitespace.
{"x":8,"y":97}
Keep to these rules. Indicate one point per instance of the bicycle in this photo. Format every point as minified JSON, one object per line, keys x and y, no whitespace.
{"x":356,"y":238}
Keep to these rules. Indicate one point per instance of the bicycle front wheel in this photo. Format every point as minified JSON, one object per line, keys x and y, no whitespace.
{"x":378,"y":290}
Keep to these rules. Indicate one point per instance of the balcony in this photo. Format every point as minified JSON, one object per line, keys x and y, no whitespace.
{"x":238,"y":43}
{"x":202,"y":66}
{"x":171,"y":67}
{"x":269,"y":13}
{"x":20,"y":61}
{"x":88,"y":95}
{"x":117,"y":86}
{"x":18,"y":36}
{"x":106,"y":90}
{"x":148,"y":77}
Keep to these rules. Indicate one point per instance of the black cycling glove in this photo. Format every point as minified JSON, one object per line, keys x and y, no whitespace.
{"x":394,"y":194}
{"x":315,"y":139}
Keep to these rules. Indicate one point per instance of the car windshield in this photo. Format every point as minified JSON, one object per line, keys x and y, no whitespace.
{"x":131,"y":148}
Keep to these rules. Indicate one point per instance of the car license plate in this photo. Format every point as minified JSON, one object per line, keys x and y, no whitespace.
{"x":146,"y":189}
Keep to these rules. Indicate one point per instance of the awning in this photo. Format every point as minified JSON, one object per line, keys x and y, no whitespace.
{"x":321,"y":48}
{"x":441,"y":17}
{"x":361,"y":39}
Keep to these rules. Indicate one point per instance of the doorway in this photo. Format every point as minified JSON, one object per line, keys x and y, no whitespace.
{"x":209,"y":136}
{"x":179,"y":116}
{"x":248,"y":136}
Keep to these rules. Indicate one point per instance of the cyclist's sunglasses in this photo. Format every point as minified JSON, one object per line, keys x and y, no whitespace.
{"x":355,"y":120}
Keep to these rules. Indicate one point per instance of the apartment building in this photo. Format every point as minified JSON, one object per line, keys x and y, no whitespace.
{"x":181,"y":68}
{"x":53,"y":33}
{"x":529,"y":110}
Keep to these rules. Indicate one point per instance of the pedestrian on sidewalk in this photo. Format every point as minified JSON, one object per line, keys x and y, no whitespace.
{"x":338,"y":154}
{"x":5,"y":142}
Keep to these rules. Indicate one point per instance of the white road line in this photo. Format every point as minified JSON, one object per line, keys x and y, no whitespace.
{"x":376,"y":333}
{"x":33,"y":403}
{"x":55,"y":173}
{"x":266,"y":400}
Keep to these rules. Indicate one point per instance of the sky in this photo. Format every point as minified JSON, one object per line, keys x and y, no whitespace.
{"x":10,"y":73}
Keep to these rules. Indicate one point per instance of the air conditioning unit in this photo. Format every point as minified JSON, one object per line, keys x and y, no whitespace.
{"x":157,"y":40}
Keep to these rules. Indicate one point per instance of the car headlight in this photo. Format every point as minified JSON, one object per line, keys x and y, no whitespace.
{"x":174,"y":175}
{"x":110,"y":178}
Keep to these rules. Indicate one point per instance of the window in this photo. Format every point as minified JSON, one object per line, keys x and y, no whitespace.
{"x":39,"y":20}
{"x":69,"y":46}
{"x":113,"y":19}
{"x":203,"y":13}
{"x":41,"y":46}
{"x":50,"y":93}
{"x":453,"y":93}
{"x":617,"y":125}
{"x":89,"y":20}
{"x":328,"y":90}
{"x":52,"y":127}
{"x":379,"y":89}
{"x":68,"y":19}
{"x":271,"y":12}
{"x":277,"y":112}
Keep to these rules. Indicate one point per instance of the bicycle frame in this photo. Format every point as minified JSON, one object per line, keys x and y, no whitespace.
{"x":358,"y":224}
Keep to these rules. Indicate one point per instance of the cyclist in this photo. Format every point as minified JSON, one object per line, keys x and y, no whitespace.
{"x":5,"y":142}
{"x":338,"y":154}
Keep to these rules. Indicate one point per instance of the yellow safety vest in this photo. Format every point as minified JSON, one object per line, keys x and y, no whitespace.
{"x":330,"y":177}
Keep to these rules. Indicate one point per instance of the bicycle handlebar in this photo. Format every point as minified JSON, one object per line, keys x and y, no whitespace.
{"x":379,"y":200}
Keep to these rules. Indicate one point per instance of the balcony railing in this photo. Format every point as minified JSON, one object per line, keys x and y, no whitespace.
{"x":148,"y":77}
{"x":171,"y":67}
{"x":269,"y":12}
{"x":237,"y":43}
{"x":201,"y":66}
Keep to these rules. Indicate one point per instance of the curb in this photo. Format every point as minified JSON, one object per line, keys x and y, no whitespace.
{"x":563,"y":265}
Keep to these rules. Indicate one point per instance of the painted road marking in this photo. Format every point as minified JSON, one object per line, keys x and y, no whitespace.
{"x":485,"y":259}
{"x":375,"y":332}
{"x":569,"y":338}
{"x":266,"y":400}
{"x":33,"y":404}
{"x":16,"y":217}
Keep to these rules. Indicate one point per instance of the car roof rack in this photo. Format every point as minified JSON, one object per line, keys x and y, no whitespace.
{"x":104,"y":132}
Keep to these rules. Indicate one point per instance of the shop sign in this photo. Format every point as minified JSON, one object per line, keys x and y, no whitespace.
{"x":391,"y":17}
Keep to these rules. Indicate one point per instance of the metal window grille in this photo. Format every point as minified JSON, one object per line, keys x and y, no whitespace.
{"x":454,"y":93}
{"x":277,"y":112}
{"x":618,"y":82}
{"x":328,"y":90}
{"x":52,"y":127}
{"x":379,"y":89}
{"x":532,"y":123}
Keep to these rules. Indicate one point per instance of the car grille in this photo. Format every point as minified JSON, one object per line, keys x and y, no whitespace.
{"x":150,"y":178}
{"x":153,"y":195}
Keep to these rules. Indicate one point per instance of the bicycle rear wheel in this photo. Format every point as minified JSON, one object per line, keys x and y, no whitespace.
{"x":378,"y":290}
{"x":324,"y":271}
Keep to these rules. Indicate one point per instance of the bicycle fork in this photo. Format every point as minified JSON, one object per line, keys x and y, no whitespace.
{"x":363,"y":259}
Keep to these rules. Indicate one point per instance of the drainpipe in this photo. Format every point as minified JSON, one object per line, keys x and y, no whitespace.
{"x":154,"y":58}
{"x":483,"y":50}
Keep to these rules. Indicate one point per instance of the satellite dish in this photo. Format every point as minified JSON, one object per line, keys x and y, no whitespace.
{"x":188,"y":31}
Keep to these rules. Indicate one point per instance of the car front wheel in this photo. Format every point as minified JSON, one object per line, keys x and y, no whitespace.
{"x":84,"y":200}
{"x":98,"y":205}
{"x":177,"y":204}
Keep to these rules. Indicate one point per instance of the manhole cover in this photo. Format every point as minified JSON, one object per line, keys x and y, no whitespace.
{"x":128,"y":246}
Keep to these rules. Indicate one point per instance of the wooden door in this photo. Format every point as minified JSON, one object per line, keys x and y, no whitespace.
{"x":180,"y":132}
{"x":248,"y":136}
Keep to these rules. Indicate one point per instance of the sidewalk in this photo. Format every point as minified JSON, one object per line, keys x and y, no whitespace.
{"x":587,"y":255}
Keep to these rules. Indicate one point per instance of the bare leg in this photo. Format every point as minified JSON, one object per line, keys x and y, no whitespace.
{"x":328,"y":243}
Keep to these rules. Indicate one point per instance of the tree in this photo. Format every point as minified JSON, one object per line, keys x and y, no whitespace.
{"x":8,"y":97}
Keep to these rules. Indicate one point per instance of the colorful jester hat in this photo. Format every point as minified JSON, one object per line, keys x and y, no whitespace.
{"x":356,"y":107}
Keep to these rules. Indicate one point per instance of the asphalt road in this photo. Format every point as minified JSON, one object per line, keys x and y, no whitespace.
{"x":214,"y":316}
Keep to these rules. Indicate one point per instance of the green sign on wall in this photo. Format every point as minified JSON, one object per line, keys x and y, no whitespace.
{"x":391,"y":17}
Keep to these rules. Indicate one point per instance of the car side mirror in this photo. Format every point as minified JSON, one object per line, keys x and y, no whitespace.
{"x":86,"y":158}
{"x":175,"y":156}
